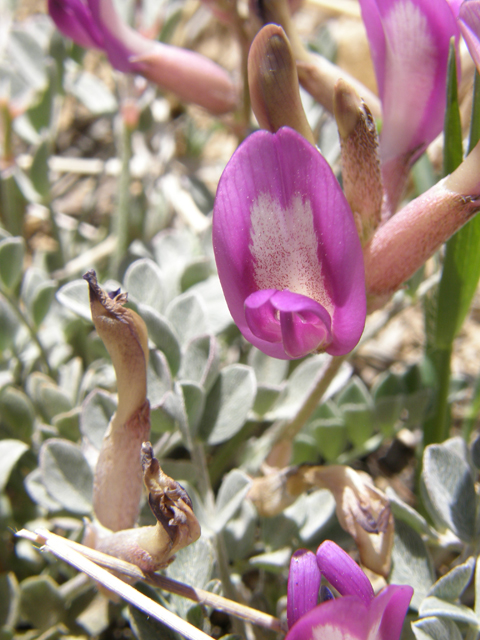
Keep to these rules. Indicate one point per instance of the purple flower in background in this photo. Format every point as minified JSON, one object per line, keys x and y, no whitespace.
{"x":287,"y":250}
{"x":193,"y":77}
{"x":74,"y":20}
{"x":409,"y":43}
{"x":468,"y":13}
{"x":358,"y":615}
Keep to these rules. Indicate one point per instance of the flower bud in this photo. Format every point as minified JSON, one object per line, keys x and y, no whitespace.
{"x":273,"y":83}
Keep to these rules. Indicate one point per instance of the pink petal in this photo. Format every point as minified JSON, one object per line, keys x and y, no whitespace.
{"x":455,"y":6}
{"x":469,"y":21}
{"x":388,"y":610}
{"x":341,"y":619}
{"x":281,"y":222}
{"x":343,"y":573}
{"x":303,"y":584}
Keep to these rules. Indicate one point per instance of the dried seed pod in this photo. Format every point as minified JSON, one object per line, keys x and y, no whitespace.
{"x":118,"y":478}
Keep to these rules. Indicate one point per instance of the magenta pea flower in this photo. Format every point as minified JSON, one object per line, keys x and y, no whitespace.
{"x":191,"y":76}
{"x":358,"y":615}
{"x":409,"y":43}
{"x":287,"y":250}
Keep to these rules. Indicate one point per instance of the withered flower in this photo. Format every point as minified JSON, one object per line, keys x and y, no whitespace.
{"x":153,"y":547}
{"x":362,"y":509}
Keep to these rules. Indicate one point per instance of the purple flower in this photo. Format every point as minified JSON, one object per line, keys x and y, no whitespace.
{"x":409,"y":43}
{"x":193,"y":77}
{"x":357,"y":615}
{"x":287,"y":250}
{"x":468,"y":13}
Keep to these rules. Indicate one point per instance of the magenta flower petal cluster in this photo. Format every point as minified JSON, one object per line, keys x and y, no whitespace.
{"x":287,"y":249}
{"x":358,"y":615}
{"x":193,"y":77}
{"x":409,"y":42}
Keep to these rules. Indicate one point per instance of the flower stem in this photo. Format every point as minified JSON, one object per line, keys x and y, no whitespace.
{"x":321,"y":384}
{"x":121,"y":219}
{"x":286,"y":430}
{"x":61,"y":549}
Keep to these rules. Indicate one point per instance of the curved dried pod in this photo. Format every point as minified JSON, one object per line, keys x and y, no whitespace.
{"x":153,"y":547}
{"x":118,"y":478}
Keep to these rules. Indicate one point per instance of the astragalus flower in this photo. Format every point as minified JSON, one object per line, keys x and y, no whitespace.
{"x":358,"y":615}
{"x":409,"y":43}
{"x":287,"y":250}
{"x":191,"y":76}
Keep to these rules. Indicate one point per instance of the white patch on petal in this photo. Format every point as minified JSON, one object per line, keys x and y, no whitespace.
{"x":284,"y":248}
{"x":373,"y":631}
{"x":410,"y":69}
{"x":332,"y":632}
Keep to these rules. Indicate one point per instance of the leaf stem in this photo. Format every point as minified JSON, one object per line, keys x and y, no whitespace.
{"x":436,"y":428}
{"x":200,"y":463}
{"x":22,"y":317}
{"x":6,"y":118}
